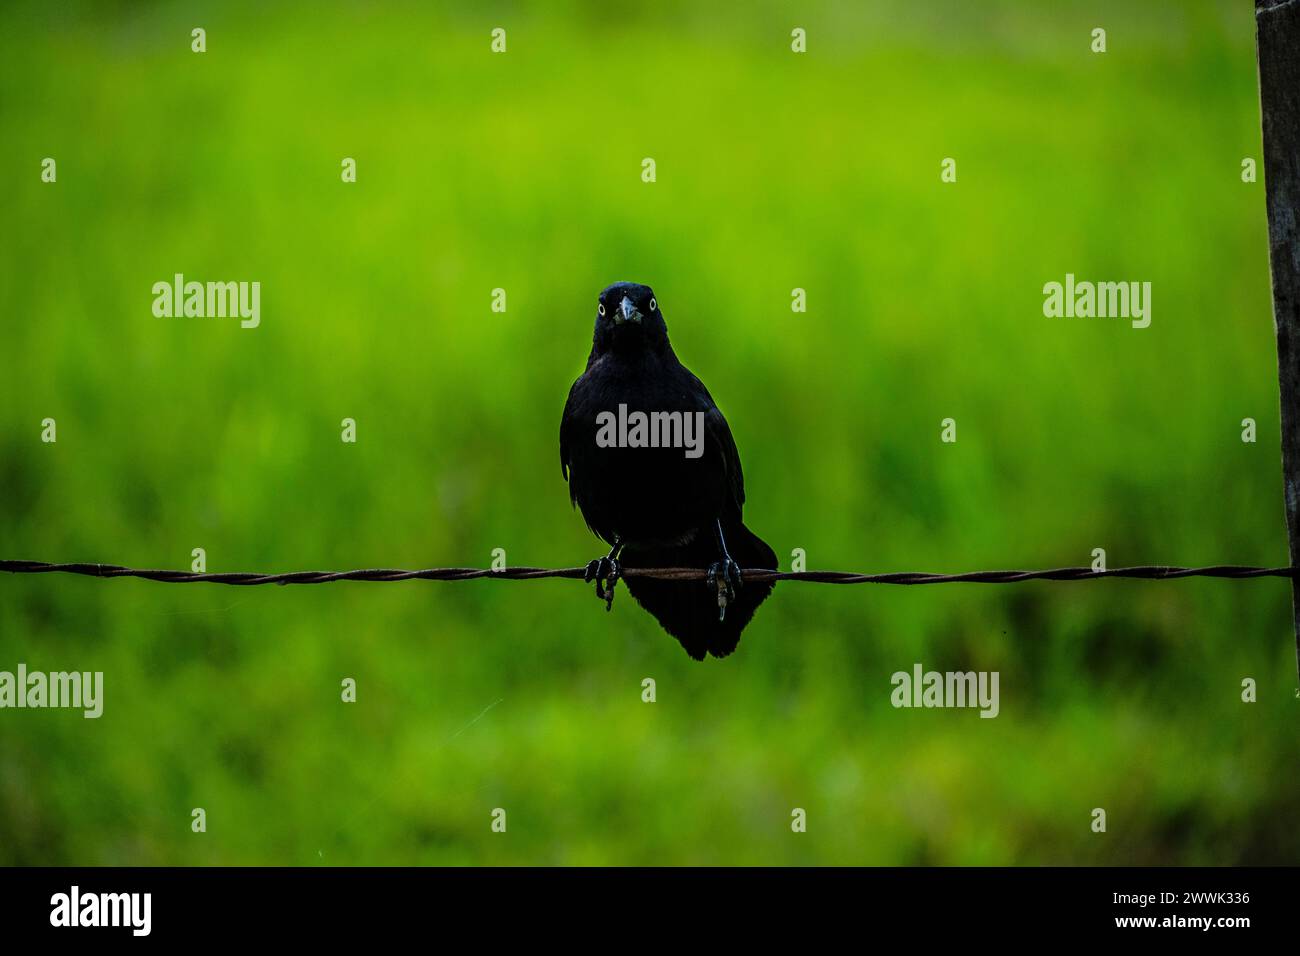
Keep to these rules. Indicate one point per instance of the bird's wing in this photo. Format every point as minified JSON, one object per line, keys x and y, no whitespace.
{"x":566,"y":433}
{"x":564,"y":442}
{"x":718,"y":435}
{"x":717,"y":440}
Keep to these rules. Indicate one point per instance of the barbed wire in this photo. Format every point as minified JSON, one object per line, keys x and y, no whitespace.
{"x":246,"y":578}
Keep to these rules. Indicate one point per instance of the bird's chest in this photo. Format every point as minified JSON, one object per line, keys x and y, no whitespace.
{"x":640,"y":465}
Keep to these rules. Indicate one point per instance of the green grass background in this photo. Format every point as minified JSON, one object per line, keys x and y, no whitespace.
{"x":522,"y":171}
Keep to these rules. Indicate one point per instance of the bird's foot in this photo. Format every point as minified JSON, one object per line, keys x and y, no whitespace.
{"x":605,"y":572}
{"x":724,"y":577}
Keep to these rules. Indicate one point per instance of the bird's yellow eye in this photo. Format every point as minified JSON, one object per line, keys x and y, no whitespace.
{"x":600,"y":308}
{"x":653,"y":304}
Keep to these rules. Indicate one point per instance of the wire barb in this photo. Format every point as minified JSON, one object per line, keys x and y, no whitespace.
{"x":245,"y":578}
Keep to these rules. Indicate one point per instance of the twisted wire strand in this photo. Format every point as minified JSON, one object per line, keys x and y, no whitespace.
{"x":247,"y":578}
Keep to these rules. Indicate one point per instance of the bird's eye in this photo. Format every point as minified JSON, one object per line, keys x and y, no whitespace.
{"x":653,"y":304}
{"x":600,"y":309}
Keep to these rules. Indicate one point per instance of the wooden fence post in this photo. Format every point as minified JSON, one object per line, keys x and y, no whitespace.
{"x":1277,"y":25}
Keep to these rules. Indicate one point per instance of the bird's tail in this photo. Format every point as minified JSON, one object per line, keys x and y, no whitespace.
{"x":687,"y":609}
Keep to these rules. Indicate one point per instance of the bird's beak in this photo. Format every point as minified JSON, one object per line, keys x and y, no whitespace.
{"x":627,"y":312}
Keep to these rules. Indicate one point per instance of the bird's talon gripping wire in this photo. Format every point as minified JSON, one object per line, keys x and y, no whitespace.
{"x":605,"y":572}
{"x":724,"y":577}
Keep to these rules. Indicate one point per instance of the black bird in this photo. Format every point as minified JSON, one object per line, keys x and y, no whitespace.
{"x":657,"y":506}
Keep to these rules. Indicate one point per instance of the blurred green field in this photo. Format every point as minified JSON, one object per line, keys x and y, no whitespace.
{"x":522,"y":171}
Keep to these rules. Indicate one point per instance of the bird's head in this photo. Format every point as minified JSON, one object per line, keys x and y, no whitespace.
{"x":628,"y":318}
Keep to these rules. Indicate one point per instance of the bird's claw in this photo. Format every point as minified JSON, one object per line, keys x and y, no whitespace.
{"x":605,"y":572}
{"x":724,"y":577}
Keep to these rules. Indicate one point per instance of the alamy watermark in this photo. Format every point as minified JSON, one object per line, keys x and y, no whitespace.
{"x":79,"y":690}
{"x":75,"y":908}
{"x":1102,"y":300}
{"x":208,"y":300}
{"x":651,"y":430}
{"x":922,"y":688}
